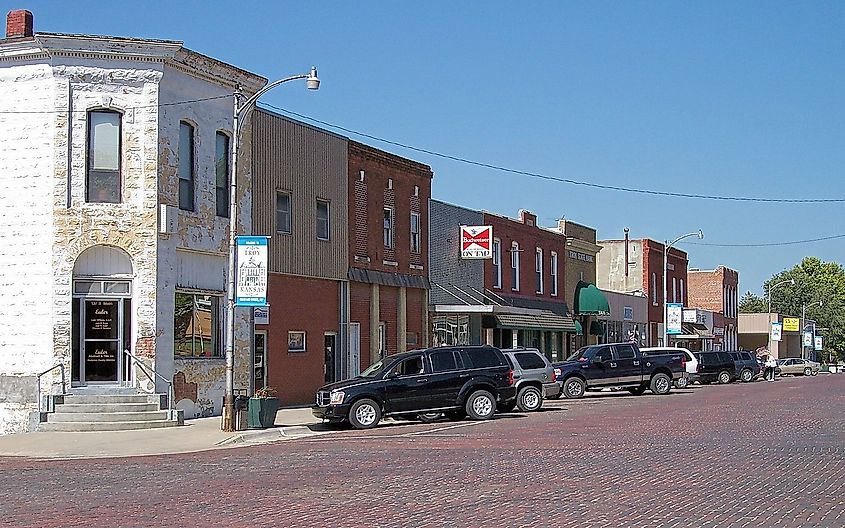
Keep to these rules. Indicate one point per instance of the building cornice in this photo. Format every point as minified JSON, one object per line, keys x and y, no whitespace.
{"x":582,"y":245}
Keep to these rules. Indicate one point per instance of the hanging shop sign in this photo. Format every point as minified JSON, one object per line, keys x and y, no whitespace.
{"x":476,"y":242}
{"x":251,"y":277}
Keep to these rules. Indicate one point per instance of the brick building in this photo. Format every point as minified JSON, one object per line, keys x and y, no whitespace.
{"x":717,"y":290}
{"x":114,"y":150}
{"x":388,"y":252}
{"x":636,"y":266}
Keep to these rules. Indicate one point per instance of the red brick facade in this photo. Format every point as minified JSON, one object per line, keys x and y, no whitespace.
{"x":299,"y":304}
{"x":717,"y":290}
{"x":378,"y":181}
{"x":529,"y":237}
{"x":653,"y":281}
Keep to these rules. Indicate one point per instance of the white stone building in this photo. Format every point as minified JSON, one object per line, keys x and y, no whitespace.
{"x":114,"y":160}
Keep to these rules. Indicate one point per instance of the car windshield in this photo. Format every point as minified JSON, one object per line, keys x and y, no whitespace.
{"x":374,"y":370}
{"x":583,"y":352}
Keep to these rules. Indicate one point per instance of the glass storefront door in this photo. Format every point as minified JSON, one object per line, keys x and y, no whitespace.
{"x":101,"y":331}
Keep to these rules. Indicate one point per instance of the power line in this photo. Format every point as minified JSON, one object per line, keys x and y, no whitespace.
{"x":554,"y":178}
{"x":160,"y":105}
{"x":770,"y":244}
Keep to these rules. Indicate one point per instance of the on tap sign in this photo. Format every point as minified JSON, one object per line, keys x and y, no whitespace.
{"x":476,"y":242}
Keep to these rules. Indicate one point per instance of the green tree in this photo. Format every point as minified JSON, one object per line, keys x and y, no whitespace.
{"x":815,"y":280}
{"x":751,"y":303}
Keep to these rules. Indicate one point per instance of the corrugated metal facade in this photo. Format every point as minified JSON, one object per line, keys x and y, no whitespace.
{"x":309,"y":164}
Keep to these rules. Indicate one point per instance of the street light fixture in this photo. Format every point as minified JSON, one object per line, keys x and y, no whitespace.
{"x":769,"y":298}
{"x":312,"y":82}
{"x":804,"y":328}
{"x":668,"y":245}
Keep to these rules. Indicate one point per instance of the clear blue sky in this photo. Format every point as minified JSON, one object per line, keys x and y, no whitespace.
{"x":723,"y":98}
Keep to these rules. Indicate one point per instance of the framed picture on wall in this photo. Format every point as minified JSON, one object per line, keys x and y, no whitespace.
{"x":296,"y":341}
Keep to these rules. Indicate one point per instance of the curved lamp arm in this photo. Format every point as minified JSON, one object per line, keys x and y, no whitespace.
{"x":313,"y":84}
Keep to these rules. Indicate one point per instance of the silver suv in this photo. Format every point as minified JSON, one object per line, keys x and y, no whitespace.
{"x":534,"y":378}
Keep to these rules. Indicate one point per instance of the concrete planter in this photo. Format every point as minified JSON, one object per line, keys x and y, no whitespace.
{"x":262,"y":412}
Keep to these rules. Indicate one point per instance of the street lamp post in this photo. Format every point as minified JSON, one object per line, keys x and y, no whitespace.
{"x":668,"y":245}
{"x":769,"y":298}
{"x":804,"y":328}
{"x":238,"y":114}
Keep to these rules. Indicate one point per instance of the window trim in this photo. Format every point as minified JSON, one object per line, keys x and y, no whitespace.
{"x":228,"y":185}
{"x":328,"y":219}
{"x":217,"y":324}
{"x":497,"y":263}
{"x":515,"y":265}
{"x":304,"y":342}
{"x":280,"y":192}
{"x":193,"y":178}
{"x":538,"y":263}
{"x":89,"y":158}
{"x":553,"y":273}
{"x":388,"y":232}
{"x":416,"y":238}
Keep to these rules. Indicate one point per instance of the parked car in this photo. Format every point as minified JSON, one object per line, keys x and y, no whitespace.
{"x":534,"y":378}
{"x":456,"y":381}
{"x":618,"y":365}
{"x":798,"y":366}
{"x":691,"y":363}
{"x":747,"y":368}
{"x":715,"y":366}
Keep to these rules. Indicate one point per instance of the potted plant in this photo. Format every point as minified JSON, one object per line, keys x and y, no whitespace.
{"x":262,"y":408}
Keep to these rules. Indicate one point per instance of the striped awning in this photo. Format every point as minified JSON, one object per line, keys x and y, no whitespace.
{"x":544,"y":320}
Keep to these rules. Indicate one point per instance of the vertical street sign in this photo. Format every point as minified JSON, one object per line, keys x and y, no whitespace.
{"x":674,"y":316}
{"x":251,"y":277}
{"x":819,"y":343}
{"x":777,"y":329}
{"x":808,"y":339}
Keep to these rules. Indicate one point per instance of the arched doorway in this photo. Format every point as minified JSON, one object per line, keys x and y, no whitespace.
{"x":101,"y":316}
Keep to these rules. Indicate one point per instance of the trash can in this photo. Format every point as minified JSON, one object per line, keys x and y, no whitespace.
{"x":241,"y":412}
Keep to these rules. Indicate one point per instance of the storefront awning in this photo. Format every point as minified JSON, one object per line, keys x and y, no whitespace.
{"x":589,"y":300}
{"x":597,"y":328}
{"x":693,"y":331}
{"x":579,"y":330}
{"x":545,"y":320}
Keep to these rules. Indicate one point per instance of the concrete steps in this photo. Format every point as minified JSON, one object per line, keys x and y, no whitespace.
{"x":99,"y":410}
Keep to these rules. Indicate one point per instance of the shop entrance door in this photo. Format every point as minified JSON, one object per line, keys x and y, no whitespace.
{"x":101,"y":332}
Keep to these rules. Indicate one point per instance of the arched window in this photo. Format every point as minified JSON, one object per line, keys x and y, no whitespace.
{"x":104,"y":157}
{"x":186,"y":166}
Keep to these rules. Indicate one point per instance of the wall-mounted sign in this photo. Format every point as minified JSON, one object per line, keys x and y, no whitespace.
{"x":577,"y":255}
{"x":777,"y":330}
{"x":674,"y":316}
{"x":819,"y":343}
{"x":628,"y":313}
{"x":261,"y":315}
{"x":791,"y":324}
{"x":690,"y":316}
{"x":476,"y":242}
{"x":251,"y":271}
{"x":719,"y":331}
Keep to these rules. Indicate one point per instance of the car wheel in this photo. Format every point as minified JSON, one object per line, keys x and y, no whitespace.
{"x":660,"y":384}
{"x":364,"y":414}
{"x":529,"y":399}
{"x":574,"y":388}
{"x":808,"y":371}
{"x":506,"y":407}
{"x":682,"y":383}
{"x":724,"y":377}
{"x":429,"y":417}
{"x":636,"y":391}
{"x":481,"y":405}
{"x":746,"y":375}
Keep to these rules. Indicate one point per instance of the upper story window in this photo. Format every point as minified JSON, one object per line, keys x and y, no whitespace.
{"x":104,"y":157}
{"x":283,"y":213}
{"x":682,"y":292}
{"x":553,"y":273}
{"x":323,"y":220}
{"x":538,"y":269}
{"x":186,"y":166}
{"x":221,"y":170}
{"x":415,"y":233}
{"x":388,"y":227}
{"x":515,"y":266}
{"x":674,"y":289}
{"x":654,"y":288}
{"x":497,"y":263}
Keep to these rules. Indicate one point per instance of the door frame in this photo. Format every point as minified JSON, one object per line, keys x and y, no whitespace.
{"x":265,"y":363}
{"x":122,"y":339}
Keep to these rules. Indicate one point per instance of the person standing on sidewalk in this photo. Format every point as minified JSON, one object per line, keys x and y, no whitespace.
{"x":771,"y":363}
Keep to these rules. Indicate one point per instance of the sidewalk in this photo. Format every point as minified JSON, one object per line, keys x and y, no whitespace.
{"x":196,"y":435}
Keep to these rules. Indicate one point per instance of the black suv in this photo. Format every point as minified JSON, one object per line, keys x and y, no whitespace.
{"x":715,"y":366}
{"x":456,"y":381}
{"x":747,"y":368}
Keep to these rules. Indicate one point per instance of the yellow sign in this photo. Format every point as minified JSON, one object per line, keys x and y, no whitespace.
{"x":791,"y":324}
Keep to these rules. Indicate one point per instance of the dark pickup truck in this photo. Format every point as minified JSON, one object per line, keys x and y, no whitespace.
{"x":618,"y":365}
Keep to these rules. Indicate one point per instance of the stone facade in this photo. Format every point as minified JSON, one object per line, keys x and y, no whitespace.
{"x":48,"y":86}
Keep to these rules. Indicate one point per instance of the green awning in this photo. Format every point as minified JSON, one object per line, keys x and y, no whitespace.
{"x":579,"y":330}
{"x":589,"y":300}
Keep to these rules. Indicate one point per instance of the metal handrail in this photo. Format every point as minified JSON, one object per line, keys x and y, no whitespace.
{"x":144,"y":367}
{"x":61,"y":367}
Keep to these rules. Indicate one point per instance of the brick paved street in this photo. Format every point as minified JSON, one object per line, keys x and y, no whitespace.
{"x":762,"y":454}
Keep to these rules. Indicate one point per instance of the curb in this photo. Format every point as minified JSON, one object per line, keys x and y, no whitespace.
{"x":270,"y":435}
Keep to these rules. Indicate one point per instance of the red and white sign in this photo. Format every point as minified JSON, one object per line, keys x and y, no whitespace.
{"x":476,"y":242}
